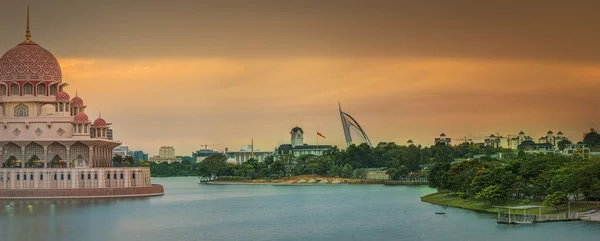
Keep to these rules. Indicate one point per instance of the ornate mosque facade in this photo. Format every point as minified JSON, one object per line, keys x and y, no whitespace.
{"x":47,"y":141}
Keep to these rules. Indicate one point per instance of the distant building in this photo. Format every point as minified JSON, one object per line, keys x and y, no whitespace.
{"x":297,"y":146}
{"x":553,"y":140}
{"x":443,"y":139}
{"x":532,"y":147}
{"x":581,"y":148}
{"x":165,"y":154}
{"x":514,"y":142}
{"x":139,"y":156}
{"x":410,"y":142}
{"x":247,"y":153}
{"x":493,"y":141}
{"x":202,"y":154}
{"x":122,"y":151}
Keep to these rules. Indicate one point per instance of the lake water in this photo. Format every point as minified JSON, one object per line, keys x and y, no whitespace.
{"x":192,"y":211}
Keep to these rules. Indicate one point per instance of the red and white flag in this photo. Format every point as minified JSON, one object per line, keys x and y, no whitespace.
{"x":321,"y":135}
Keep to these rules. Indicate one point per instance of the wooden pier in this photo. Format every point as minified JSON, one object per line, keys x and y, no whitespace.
{"x":514,"y":215}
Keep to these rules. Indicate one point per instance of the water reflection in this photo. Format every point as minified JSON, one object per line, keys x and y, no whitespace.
{"x":45,"y":219}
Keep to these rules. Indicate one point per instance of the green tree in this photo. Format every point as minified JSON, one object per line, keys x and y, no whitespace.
{"x":278,"y":168}
{"x":117,"y":160}
{"x":439,"y":176}
{"x":361,"y":173}
{"x":491,"y":194}
{"x":128,"y":161}
{"x":555,"y":200}
{"x":347,"y":171}
{"x":562,"y":144}
{"x":392,"y":173}
{"x":592,"y":138}
{"x":211,"y":167}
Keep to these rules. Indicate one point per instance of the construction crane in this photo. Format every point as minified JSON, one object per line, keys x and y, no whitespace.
{"x":465,"y":139}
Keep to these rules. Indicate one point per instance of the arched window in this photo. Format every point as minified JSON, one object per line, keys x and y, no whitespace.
{"x":85,"y":128}
{"x":60,"y":107}
{"x":14,"y":89}
{"x":21,"y":111}
{"x":2,"y":90}
{"x":27,"y":89}
{"x":41,"y":89}
{"x":52,"y":89}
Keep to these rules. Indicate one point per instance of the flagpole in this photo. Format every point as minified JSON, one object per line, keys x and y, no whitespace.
{"x":317,"y":143}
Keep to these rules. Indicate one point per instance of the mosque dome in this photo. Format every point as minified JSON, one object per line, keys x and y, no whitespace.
{"x":81,"y":118}
{"x":297,"y":129}
{"x":248,"y":148}
{"x":29,"y":62}
{"x":63,"y":97}
{"x":99,"y":122}
{"x":77,"y":102}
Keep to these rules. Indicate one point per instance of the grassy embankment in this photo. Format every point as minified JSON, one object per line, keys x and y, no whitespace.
{"x":452,"y":200}
{"x":295,"y":179}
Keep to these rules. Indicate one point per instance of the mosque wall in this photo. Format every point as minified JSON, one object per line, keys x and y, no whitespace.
{"x":73,"y":178}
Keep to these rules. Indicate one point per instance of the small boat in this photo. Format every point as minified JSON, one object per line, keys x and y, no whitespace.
{"x":443,"y":208}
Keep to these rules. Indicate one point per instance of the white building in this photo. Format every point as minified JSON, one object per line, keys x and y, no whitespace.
{"x":297,"y":146}
{"x":165,"y":154}
{"x":442,"y":139}
{"x":247,"y":153}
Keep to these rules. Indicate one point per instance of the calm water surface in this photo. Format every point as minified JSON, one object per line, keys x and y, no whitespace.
{"x":191,"y":211}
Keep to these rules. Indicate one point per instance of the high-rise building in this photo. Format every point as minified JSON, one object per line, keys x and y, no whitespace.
{"x":165,"y":154}
{"x":139,"y":156}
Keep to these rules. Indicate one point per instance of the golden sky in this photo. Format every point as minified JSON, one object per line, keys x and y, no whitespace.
{"x":188,"y":73}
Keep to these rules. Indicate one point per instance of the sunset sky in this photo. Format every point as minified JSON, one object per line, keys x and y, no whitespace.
{"x":188,"y":73}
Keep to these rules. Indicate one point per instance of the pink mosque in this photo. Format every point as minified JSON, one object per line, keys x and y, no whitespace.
{"x":49,"y":147}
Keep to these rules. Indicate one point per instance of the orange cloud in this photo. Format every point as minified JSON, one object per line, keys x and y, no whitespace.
{"x":187,"y":102}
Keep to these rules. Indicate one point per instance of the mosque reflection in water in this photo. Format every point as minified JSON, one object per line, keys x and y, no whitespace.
{"x":41,"y":219}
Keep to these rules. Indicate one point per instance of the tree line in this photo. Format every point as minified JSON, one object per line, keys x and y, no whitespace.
{"x":531,"y":177}
{"x":399,"y":161}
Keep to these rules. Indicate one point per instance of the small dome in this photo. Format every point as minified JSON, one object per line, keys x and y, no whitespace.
{"x":81,"y":118}
{"x":99,"y":122}
{"x":248,"y":148}
{"x":442,"y":134}
{"x":492,"y":136}
{"x":47,"y":109}
{"x":550,"y":133}
{"x":63,"y":97}
{"x":521,"y":133}
{"x":559,"y":133}
{"x":297,"y":129}
{"x":77,"y":102}
{"x":410,"y":141}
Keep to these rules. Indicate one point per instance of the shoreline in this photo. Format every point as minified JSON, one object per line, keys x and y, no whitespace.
{"x":273,"y":184}
{"x":454,"y":201}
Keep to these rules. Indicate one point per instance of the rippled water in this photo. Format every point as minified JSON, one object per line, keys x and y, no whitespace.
{"x":191,"y":211}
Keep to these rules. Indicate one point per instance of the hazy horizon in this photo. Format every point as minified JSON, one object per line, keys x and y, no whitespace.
{"x":191,"y":73}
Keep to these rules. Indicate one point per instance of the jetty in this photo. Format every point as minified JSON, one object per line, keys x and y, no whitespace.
{"x":527,"y":215}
